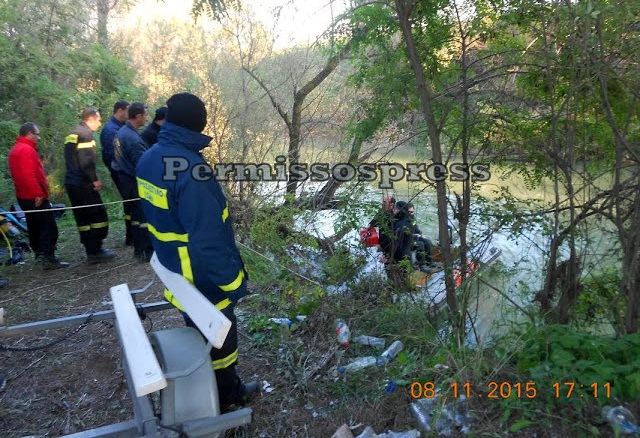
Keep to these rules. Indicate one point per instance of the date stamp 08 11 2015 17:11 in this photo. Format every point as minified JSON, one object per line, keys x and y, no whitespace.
{"x":504,"y":390}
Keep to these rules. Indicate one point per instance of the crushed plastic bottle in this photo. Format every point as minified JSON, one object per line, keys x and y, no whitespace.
{"x":422,"y":417}
{"x":449,"y":418}
{"x":343,"y":333}
{"x":358,"y":364}
{"x":368,"y":432}
{"x":286,"y":321}
{"x":370,"y":340}
{"x":281,"y":321}
{"x":621,"y":419}
{"x":391,"y":352}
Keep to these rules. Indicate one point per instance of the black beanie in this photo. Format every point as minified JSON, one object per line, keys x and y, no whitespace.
{"x":161,"y":114}
{"x":188,"y":111}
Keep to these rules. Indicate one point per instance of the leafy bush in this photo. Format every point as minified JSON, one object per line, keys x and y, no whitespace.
{"x":597,"y":300}
{"x":341,"y":266}
{"x":558,"y":354}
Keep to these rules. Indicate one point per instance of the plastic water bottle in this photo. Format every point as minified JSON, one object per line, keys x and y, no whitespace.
{"x":370,"y":340}
{"x":286,"y":321}
{"x":422,"y":417}
{"x":621,"y":419}
{"x":343,"y":333}
{"x":391,"y":352}
{"x":282,"y":321}
{"x":359,"y":364}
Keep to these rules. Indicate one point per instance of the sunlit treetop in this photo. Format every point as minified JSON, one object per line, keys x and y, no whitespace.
{"x":217,"y":9}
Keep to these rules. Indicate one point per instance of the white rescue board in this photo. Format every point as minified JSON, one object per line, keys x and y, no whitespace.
{"x":209,"y":320}
{"x":142,"y":362}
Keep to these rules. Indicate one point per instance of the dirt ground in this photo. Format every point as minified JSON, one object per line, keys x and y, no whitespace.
{"x":78,"y":384}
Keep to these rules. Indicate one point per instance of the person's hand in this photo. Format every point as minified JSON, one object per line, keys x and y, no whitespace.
{"x":97,"y":186}
{"x":38,"y":201}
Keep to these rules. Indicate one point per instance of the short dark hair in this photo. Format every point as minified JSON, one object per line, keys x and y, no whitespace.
{"x":28,"y":128}
{"x":89,"y":112}
{"x":402,"y":206}
{"x":161,"y":114}
{"x":120,"y":105}
{"x":136,"y":108}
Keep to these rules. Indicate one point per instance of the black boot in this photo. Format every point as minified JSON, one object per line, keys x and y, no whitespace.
{"x":104,"y":255}
{"x":51,"y":262}
{"x":231,"y":391}
{"x":242,"y":396}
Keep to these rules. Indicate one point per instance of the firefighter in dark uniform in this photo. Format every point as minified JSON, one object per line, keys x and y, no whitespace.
{"x":191,"y":231}
{"x":128,"y":148}
{"x":107,"y":136}
{"x":83,"y":186}
{"x":150,"y":134}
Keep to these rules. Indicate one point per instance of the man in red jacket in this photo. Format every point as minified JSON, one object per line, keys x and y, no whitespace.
{"x":32,"y":192}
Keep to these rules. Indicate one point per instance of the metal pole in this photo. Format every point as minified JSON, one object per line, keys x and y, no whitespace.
{"x":67,"y":321}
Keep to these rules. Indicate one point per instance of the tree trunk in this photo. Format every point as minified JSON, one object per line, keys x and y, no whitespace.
{"x":294,"y":143}
{"x":295,"y":122}
{"x":631,"y":267}
{"x":426,"y":99}
{"x":103,"y":20}
{"x":324,"y":197}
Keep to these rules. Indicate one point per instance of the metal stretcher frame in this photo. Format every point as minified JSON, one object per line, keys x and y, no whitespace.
{"x":145,"y":423}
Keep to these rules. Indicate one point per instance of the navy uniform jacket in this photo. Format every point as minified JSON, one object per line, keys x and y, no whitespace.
{"x":128,"y":147}
{"x":80,"y":157}
{"x":107,"y":136}
{"x":189,"y":220}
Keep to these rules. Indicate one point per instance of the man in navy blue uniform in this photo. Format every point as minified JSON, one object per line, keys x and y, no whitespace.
{"x":150,"y":134}
{"x":192,"y":233}
{"x":128,"y":148}
{"x":107,"y":136}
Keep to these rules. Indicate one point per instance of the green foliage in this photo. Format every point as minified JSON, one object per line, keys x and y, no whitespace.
{"x":272,"y":230}
{"x":217,"y":9}
{"x":309,"y":301}
{"x":53,"y":68}
{"x":557,"y":354}
{"x":341,"y":266}
{"x":599,"y":298}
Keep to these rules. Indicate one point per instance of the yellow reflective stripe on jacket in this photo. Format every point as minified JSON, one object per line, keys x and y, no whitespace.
{"x":167,"y":237}
{"x":100,"y":225}
{"x":157,"y":196}
{"x":174,"y":301}
{"x":84,"y":228}
{"x":223,"y":304}
{"x":185,"y":263}
{"x":127,"y":217}
{"x":87,"y":145}
{"x":226,"y":361}
{"x":225,"y":213}
{"x":71,"y":138}
{"x":235,"y":284}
